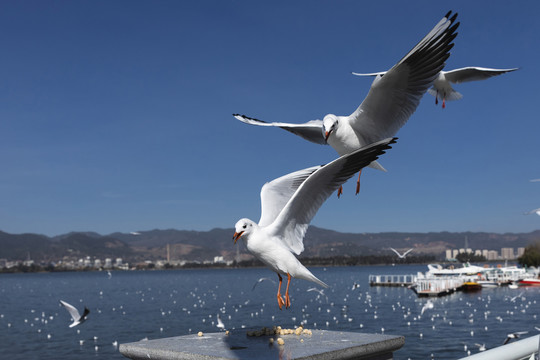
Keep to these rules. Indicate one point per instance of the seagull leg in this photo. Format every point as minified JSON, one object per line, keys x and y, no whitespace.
{"x":443,"y":103}
{"x":279,"y":298}
{"x":437,"y":98}
{"x":287,"y":299}
{"x":358,"y":182}
{"x":340,"y":191}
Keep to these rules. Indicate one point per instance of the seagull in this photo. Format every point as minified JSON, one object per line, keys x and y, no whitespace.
{"x":391,"y":100}
{"x":428,"y":305}
{"x":514,"y":335}
{"x":401,"y":256}
{"x":535,"y":211}
{"x":260,"y":281}
{"x":481,"y":347}
{"x":77,"y":318}
{"x":220,"y":324}
{"x":288,"y":204}
{"x":442,"y":88}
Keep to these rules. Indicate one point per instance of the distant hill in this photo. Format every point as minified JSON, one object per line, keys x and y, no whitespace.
{"x":204,"y":245}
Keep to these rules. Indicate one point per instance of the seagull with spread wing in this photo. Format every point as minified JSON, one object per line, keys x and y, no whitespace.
{"x":288,"y":204}
{"x":401,"y":256}
{"x":75,"y":315}
{"x":442,"y":86}
{"x":392,"y":98}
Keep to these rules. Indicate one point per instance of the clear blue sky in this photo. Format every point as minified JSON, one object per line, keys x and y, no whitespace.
{"x":116,"y":115}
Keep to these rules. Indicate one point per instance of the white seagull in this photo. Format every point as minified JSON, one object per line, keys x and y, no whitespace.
{"x":514,"y":335}
{"x":442,"y":86}
{"x":390,"y":102}
{"x":401,"y":256}
{"x":288,"y":204}
{"x":75,"y":315}
{"x":535,"y":211}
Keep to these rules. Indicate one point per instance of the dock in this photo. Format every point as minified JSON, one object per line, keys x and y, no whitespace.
{"x":439,"y":286}
{"x":391,"y":280}
{"x":320,"y":345}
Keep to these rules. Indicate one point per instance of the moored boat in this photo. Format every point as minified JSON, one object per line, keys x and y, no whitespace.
{"x":529,"y":282}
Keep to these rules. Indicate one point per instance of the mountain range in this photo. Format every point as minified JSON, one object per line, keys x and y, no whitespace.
{"x":205,"y":245}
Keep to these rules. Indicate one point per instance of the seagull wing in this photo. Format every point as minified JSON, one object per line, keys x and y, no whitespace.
{"x":406,"y":252}
{"x":75,"y":315}
{"x":277,"y":193}
{"x":369,"y":74}
{"x":292,"y":222}
{"x":394,"y":96}
{"x":311,"y":130}
{"x":472,"y":73}
{"x":397,"y":253}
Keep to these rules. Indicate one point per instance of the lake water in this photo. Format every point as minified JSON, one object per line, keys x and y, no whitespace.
{"x":130,"y":306}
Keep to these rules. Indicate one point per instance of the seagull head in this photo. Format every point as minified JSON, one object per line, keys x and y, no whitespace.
{"x":330,"y":123}
{"x":242,"y":227}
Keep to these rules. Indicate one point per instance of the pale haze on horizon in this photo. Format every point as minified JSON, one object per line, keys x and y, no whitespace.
{"x":117,"y":116}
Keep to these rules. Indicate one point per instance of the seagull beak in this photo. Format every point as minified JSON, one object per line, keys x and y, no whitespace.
{"x":237,"y":235}
{"x":326,"y":135}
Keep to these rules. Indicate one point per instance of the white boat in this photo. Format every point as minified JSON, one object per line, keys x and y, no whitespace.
{"x":467,"y":269}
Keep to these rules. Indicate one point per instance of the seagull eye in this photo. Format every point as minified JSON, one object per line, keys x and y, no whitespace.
{"x":243,"y":227}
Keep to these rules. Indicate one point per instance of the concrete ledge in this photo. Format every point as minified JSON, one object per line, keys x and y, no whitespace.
{"x":321,"y":345}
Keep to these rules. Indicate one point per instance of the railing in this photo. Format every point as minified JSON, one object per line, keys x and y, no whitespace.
{"x":522,"y":349}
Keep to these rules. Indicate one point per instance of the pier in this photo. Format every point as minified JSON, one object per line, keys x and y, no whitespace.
{"x":438,"y":286}
{"x":320,"y":345}
{"x":391,"y":280}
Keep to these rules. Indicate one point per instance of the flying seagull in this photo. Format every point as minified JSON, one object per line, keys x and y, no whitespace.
{"x":442,"y":86}
{"x":391,"y":100}
{"x":535,"y":211}
{"x":514,"y":335}
{"x":401,"y":256}
{"x":260,"y":281}
{"x":288,"y":204}
{"x":77,"y":318}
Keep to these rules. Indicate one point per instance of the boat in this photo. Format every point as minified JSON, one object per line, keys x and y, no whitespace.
{"x":471,"y":286}
{"x":529,"y":282}
{"x":467,"y":269}
{"x":488,"y":283}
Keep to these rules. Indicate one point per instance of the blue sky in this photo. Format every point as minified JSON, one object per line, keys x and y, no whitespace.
{"x":116,"y":115}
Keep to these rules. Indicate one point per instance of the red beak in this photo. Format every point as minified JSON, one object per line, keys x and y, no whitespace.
{"x":236,"y":236}
{"x":326,"y":135}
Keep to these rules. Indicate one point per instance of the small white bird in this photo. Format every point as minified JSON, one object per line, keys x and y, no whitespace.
{"x":514,"y":335}
{"x":220,"y":324}
{"x":481,"y":347}
{"x":260,"y":281}
{"x":391,"y":100}
{"x":442,"y":88}
{"x":75,"y":315}
{"x":401,"y":256}
{"x":288,"y":204}
{"x":427,"y":305}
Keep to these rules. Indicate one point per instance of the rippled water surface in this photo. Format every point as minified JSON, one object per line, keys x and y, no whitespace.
{"x":130,"y":306}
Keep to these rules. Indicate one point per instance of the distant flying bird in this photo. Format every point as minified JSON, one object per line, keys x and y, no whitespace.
{"x":135,"y":233}
{"x":260,"y":281}
{"x":514,"y":335}
{"x":427,"y":305}
{"x":75,"y":315}
{"x":288,"y":204}
{"x":220,"y":324}
{"x":391,"y":100}
{"x":515,"y":297}
{"x":401,"y":256}
{"x":442,"y":88}
{"x":535,"y":211}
